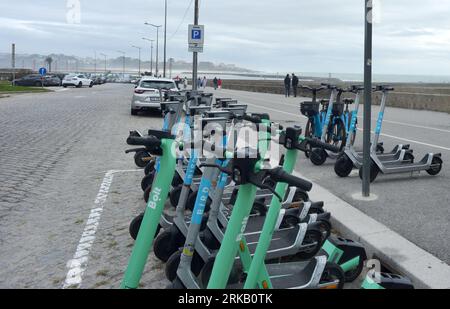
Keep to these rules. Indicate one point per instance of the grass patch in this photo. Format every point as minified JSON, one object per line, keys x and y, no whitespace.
{"x":102,"y":273}
{"x":6,"y":87}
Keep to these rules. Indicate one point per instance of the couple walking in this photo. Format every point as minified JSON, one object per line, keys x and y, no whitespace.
{"x":288,"y":82}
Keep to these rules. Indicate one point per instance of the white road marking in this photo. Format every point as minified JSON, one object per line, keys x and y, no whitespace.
{"x":412,"y":125}
{"x":77,"y":266}
{"x":61,"y":90}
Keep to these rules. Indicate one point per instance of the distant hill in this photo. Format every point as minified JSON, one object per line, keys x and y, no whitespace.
{"x":67,"y":63}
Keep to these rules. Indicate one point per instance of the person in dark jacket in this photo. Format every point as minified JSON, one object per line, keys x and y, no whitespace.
{"x":294,"y":84}
{"x":216,"y":83}
{"x":287,"y":86}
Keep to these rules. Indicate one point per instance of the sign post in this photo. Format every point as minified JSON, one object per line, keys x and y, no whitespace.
{"x":42,"y":72}
{"x":13,"y":63}
{"x":195,"y":53}
{"x":367,"y":96}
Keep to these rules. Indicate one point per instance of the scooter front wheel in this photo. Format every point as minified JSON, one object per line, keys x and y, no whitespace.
{"x":333,"y":277}
{"x":374,"y":171}
{"x":318,"y":156}
{"x":166,"y":244}
{"x":174,"y":262}
{"x":141,"y":158}
{"x":235,"y":275}
{"x":343,"y":166}
{"x":147,"y":181}
{"x":135,"y":226}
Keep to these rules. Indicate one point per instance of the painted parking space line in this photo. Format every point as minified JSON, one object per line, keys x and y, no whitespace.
{"x":411,"y":125}
{"x":78,"y":265}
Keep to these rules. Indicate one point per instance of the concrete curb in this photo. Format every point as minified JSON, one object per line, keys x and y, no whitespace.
{"x":425,"y":270}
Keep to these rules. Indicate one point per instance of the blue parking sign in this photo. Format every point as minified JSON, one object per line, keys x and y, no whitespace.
{"x":196,"y":34}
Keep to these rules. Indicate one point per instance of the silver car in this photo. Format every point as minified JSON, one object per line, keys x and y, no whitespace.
{"x":147,"y":94}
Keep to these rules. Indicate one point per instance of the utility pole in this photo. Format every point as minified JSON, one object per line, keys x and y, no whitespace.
{"x":195,"y":56}
{"x":13,"y":63}
{"x":367,"y":96}
{"x":157,"y":45}
{"x":139,"y":48}
{"x":151,"y":54}
{"x":165,"y":39}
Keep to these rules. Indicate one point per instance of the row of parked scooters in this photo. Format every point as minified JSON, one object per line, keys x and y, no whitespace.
{"x":334,"y":123}
{"x":238,"y":222}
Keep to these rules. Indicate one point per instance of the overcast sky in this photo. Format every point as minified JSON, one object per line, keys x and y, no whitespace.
{"x":412,"y":36}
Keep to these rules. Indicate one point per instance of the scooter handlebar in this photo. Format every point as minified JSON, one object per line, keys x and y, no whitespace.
{"x":279,"y":175}
{"x":148,"y":141}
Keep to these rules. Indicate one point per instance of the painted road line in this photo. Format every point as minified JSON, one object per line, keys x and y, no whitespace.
{"x":78,"y":265}
{"x":410,"y":125}
{"x":398,"y":253}
{"x":412,"y":141}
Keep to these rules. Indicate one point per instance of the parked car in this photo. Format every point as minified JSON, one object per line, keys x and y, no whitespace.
{"x":78,"y":81}
{"x":30,"y":80}
{"x":148,"y":93}
{"x":52,"y":80}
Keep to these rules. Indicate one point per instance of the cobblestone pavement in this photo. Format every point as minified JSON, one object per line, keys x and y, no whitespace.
{"x":55,"y":149}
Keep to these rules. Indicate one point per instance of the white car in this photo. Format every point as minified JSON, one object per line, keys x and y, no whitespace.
{"x":148,"y":93}
{"x":77,"y":80}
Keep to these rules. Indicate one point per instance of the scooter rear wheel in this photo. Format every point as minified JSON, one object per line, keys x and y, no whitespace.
{"x":141,"y":158}
{"x":352,"y":275}
{"x":318,"y":156}
{"x":343,"y":166}
{"x":205,"y":274}
{"x":333,"y":273}
{"x":313,"y":242}
{"x":436,"y":168}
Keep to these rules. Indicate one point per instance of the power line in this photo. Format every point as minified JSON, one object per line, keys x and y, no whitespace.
{"x":182,"y":21}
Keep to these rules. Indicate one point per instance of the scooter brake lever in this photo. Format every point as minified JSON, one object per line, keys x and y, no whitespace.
{"x":263,"y":186}
{"x":220,"y":168}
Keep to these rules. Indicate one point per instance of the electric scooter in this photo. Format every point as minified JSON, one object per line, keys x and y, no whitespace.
{"x":351,"y":159}
{"x":158,"y":143}
{"x":431,"y":163}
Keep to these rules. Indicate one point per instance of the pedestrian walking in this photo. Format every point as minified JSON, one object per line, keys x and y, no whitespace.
{"x":295,"y":84}
{"x":185,"y":83}
{"x":216,"y":83}
{"x":287,"y":86}
{"x":205,"y":82}
{"x":199,"y":83}
{"x":219,"y":83}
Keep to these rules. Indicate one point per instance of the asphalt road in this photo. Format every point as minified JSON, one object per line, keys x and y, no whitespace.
{"x":415,"y":206}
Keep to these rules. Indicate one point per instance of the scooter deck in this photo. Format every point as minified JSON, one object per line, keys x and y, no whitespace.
{"x":295,"y":275}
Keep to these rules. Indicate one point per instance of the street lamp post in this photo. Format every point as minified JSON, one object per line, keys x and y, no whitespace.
{"x":157,"y":45}
{"x":105,"y":60}
{"x":139,"y":48}
{"x":165,"y":39}
{"x":123,"y":69}
{"x":151,"y":54}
